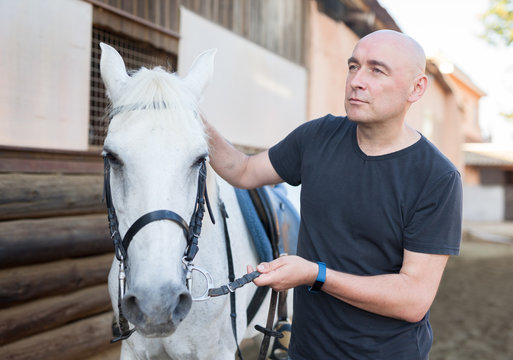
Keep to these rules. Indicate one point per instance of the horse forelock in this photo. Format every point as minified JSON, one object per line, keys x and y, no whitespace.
{"x":162,"y":93}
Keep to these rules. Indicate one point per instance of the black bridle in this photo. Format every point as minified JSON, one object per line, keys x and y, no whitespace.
{"x":191,"y":231}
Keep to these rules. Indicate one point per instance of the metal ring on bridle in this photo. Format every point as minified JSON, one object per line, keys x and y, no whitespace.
{"x":190,"y":268}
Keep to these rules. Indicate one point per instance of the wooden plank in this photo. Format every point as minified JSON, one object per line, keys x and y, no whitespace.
{"x":42,"y":195}
{"x":20,"y":159}
{"x":42,"y":240}
{"x":127,"y":5}
{"x":27,"y":283}
{"x":111,"y":353}
{"x":46,"y":314}
{"x":77,"y":340}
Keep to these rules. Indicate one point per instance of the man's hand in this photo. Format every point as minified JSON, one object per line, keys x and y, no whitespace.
{"x":239,"y":169}
{"x":286,"y":272}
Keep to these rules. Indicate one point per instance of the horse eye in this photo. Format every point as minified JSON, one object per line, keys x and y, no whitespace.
{"x":112,"y":158}
{"x":200,"y":159}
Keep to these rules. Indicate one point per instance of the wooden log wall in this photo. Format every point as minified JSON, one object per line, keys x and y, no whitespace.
{"x":55,"y":254}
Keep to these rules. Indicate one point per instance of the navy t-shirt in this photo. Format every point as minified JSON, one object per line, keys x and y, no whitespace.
{"x":358,"y":214}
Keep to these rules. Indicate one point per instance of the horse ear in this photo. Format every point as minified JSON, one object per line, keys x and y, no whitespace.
{"x":113,"y":70}
{"x":201,"y":72}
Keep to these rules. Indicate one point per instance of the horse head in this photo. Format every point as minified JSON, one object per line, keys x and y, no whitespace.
{"x":154,"y":149}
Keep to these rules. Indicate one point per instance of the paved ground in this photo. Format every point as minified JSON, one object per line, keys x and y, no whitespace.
{"x":473,"y":312}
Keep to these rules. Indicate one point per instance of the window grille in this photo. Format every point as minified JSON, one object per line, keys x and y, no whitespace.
{"x":136,"y":54}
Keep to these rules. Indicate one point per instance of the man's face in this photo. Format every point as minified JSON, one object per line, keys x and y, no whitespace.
{"x":379,"y":81}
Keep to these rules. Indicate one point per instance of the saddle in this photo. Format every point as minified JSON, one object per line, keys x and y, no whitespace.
{"x":279,"y":218}
{"x":272,"y":220}
{"x":273,"y":223}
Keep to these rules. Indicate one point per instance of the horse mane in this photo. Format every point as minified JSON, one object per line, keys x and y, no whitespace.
{"x":163,"y":92}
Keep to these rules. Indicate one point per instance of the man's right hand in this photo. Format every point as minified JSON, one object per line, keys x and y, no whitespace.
{"x":240,"y":170}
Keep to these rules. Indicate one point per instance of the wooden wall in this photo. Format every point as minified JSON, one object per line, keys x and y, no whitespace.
{"x":55,"y":253}
{"x":277,"y":25}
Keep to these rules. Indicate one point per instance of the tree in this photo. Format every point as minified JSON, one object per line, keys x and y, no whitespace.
{"x":498,"y":22}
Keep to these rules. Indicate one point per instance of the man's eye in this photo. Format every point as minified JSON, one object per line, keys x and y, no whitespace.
{"x":352,"y":67}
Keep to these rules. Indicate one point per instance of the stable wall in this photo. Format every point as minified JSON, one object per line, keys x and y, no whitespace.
{"x":484,"y":203}
{"x":331,"y":44}
{"x":255,"y":97}
{"x":437,"y":116}
{"x":44,"y":67}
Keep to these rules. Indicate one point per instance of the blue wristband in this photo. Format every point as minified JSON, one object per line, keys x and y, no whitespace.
{"x":321,"y":278}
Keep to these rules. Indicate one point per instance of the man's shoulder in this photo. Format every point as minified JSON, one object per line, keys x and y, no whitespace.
{"x":327,"y":124}
{"x":329,"y":120}
{"x":433,"y":156}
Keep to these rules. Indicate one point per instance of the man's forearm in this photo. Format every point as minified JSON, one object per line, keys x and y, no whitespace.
{"x":406,"y":295}
{"x":392,"y":295}
{"x":226,"y":160}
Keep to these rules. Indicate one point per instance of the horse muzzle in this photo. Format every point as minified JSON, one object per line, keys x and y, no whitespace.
{"x":156,"y":314}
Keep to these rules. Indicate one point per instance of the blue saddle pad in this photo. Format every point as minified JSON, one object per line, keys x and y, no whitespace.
{"x":284,"y":212}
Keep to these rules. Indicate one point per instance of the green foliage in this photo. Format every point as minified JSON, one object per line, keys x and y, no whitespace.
{"x":498,"y":22}
{"x":507,"y":116}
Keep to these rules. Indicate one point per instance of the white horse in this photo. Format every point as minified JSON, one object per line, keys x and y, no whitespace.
{"x":155,"y":146}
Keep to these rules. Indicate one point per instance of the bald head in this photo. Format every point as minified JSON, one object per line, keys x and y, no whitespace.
{"x":386,"y":75}
{"x":403,"y":45}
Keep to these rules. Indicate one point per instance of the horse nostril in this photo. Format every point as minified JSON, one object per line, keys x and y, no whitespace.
{"x":130,"y":306}
{"x":182,"y":307}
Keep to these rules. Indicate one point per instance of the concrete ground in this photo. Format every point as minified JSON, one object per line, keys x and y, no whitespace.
{"x":473,"y":311}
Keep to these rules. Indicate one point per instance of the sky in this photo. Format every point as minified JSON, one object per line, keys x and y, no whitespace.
{"x":451,"y":29}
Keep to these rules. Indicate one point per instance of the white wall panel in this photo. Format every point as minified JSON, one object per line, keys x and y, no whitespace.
{"x":256,"y":97}
{"x":44,"y":71}
{"x":483,"y":203}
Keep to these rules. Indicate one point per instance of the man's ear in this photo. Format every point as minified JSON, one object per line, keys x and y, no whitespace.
{"x":420,"y":84}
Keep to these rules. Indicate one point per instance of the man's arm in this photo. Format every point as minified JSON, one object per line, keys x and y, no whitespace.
{"x":407,"y":295}
{"x":239,"y":169}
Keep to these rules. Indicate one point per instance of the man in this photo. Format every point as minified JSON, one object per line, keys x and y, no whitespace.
{"x":380,"y":207}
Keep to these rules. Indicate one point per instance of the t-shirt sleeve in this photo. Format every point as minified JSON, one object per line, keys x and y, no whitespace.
{"x":435,"y":227}
{"x":286,"y":156}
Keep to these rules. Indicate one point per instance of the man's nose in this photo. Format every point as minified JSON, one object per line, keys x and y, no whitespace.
{"x":357,"y":80}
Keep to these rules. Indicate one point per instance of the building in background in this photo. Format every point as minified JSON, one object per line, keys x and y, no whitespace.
{"x":278,"y":64}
